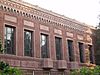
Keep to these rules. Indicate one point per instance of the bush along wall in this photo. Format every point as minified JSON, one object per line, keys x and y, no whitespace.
{"x":5,"y":69}
{"x":86,"y":71}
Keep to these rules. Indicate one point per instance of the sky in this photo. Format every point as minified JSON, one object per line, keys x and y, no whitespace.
{"x":85,"y":11}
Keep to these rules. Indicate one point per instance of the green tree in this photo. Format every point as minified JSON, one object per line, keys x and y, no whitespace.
{"x":87,"y":71}
{"x":5,"y":69}
{"x":97,"y":44}
{"x":75,"y":72}
{"x":96,"y":70}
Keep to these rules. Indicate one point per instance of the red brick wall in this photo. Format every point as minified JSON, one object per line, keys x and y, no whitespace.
{"x":35,"y":62}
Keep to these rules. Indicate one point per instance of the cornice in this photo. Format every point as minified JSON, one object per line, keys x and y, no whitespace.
{"x":33,"y":11}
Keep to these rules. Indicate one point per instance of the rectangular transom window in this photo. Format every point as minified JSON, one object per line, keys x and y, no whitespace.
{"x":70,"y":50}
{"x":10,"y":40}
{"x":44,"y":46}
{"x":28,"y":43}
{"x":58,"y":44}
{"x":81,"y":52}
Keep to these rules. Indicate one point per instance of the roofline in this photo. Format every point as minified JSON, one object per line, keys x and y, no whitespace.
{"x":52,"y":13}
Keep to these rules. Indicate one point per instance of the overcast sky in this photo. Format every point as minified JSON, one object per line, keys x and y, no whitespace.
{"x":85,"y":11}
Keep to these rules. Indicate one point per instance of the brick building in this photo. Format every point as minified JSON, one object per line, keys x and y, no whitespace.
{"x":41,"y":42}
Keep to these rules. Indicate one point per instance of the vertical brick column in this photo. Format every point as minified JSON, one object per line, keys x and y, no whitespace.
{"x":64,"y":45}
{"x":53,"y":51}
{"x":2,"y":25}
{"x":20,"y":37}
{"x":76,"y":49}
{"x":37,"y":51}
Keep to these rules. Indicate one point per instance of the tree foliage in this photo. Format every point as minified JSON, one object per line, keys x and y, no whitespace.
{"x":87,"y":71}
{"x":97,"y":44}
{"x":5,"y":69}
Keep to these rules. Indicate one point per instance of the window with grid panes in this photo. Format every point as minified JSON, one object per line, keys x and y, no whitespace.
{"x":44,"y":46}
{"x":28,"y":43}
{"x":58,"y":45}
{"x":91,"y":53}
{"x":81,"y":52}
{"x":9,"y":38}
{"x":70,"y":50}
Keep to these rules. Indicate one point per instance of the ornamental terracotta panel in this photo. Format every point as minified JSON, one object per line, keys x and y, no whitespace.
{"x":89,"y":31}
{"x":11,"y":18}
{"x":57,"y":31}
{"x":43,"y":27}
{"x":80,"y":37}
{"x":69,"y":34}
{"x":28,"y":23}
{"x":89,"y":39}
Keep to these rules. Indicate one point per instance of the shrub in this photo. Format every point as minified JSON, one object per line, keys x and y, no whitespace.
{"x":87,"y":71}
{"x":74,"y":72}
{"x":5,"y":69}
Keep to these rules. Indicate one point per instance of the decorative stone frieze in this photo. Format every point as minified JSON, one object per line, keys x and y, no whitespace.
{"x":29,"y":10}
{"x":43,"y":27}
{"x":11,"y":18}
{"x":69,"y":34}
{"x":80,"y":37}
{"x":57,"y":31}
{"x":28,"y":23}
{"x":89,"y":39}
{"x":89,"y":31}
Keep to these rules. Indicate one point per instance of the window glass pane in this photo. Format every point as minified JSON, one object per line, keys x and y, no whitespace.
{"x":43,"y":40}
{"x":9,"y":36}
{"x":58,"y":48}
{"x":91,"y":53}
{"x":9,"y":40}
{"x":70,"y":50}
{"x":44,"y":46}
{"x":9,"y":30}
{"x":81,"y":50}
{"x":27,"y":43}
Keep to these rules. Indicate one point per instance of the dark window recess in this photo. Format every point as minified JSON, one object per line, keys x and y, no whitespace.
{"x":58,"y":48}
{"x":81,"y":52}
{"x":28,"y":43}
{"x":91,"y":53}
{"x":70,"y":50}
{"x":10,"y":40}
{"x":44,"y":46}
